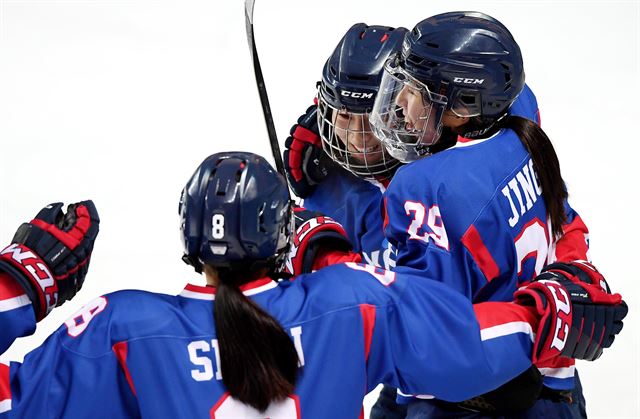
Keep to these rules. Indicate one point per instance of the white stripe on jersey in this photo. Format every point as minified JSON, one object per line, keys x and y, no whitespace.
{"x":210,"y":296}
{"x":261,"y":288}
{"x":13,"y":303}
{"x":5,"y":405}
{"x":197,"y":295}
{"x":566,"y":372}
{"x":507,"y":329}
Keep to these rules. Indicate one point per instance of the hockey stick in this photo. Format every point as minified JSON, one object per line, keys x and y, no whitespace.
{"x":262,"y":89}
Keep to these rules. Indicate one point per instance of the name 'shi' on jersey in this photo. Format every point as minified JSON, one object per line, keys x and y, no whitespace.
{"x":134,"y":353}
{"x":477,"y":222}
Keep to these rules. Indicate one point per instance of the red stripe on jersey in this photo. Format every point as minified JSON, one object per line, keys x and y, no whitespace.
{"x":244,"y":287}
{"x":214,"y":409}
{"x":492,"y":314}
{"x":385,"y":222}
{"x":9,"y":287}
{"x":368,"y":323}
{"x":474,"y":244}
{"x":5,"y":384}
{"x":121,"y":350}
{"x":556,"y":362}
{"x":573,"y":243}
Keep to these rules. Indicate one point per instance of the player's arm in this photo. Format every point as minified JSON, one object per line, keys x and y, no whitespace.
{"x":76,"y":372}
{"x":430,"y":340}
{"x":44,"y":266}
{"x":574,"y":242}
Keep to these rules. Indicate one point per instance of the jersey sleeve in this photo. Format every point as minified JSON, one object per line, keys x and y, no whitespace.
{"x":429,"y":339}
{"x":73,"y":374}
{"x":17,"y":317}
{"x":574,"y":242}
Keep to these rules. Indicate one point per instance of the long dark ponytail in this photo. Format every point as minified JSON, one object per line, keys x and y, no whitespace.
{"x":258,"y":359}
{"x":546,"y":165}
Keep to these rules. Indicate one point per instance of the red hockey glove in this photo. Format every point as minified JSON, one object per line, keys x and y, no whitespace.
{"x":578,"y":319}
{"x":315,"y":234}
{"x":304,"y":159}
{"x":599,"y":312}
{"x":49,"y":256}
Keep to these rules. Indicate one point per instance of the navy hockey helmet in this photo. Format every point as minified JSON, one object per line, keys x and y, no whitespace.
{"x":235,"y":213}
{"x":464,"y":62}
{"x":346,"y":94}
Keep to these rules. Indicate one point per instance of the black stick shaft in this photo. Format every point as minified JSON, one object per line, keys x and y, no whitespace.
{"x":262,"y":89}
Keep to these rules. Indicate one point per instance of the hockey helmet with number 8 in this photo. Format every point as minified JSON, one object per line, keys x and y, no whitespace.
{"x":235,"y":213}
{"x":465,"y":64}
{"x":346,"y":94}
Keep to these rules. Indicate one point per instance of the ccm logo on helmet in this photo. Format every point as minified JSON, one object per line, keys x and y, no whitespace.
{"x":467,"y":81}
{"x":356,"y":95}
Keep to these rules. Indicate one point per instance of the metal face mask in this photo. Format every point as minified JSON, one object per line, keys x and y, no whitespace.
{"x":348,"y":139}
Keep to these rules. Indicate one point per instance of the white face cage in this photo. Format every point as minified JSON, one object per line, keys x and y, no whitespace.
{"x":348,"y":139}
{"x":406,"y":116}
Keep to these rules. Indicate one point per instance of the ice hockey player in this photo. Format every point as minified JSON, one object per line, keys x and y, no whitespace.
{"x":349,"y":185}
{"x":248,"y":346}
{"x":486,"y":215}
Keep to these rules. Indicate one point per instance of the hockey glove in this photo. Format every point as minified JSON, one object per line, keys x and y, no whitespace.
{"x":579,"y":317}
{"x":49,"y":256}
{"x":599,"y":312}
{"x":315,"y":233}
{"x":304,"y":159}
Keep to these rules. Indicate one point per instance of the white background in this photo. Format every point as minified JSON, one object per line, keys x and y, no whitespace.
{"x":119,"y":101}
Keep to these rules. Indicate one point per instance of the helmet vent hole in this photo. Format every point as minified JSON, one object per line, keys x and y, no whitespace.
{"x":468,"y":99}
{"x":354,"y":77}
{"x":432,"y":45}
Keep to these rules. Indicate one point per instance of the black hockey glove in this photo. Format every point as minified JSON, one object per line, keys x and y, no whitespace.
{"x":49,"y":256}
{"x":314,"y":232}
{"x":580,"y":316}
{"x":305,"y":161}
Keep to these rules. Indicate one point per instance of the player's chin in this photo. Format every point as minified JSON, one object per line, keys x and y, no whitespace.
{"x":367,"y":158}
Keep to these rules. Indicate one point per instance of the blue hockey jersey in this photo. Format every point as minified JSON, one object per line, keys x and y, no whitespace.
{"x":476,"y":221}
{"x":134,"y":353}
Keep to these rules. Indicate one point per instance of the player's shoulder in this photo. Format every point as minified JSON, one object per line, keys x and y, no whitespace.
{"x":349,"y":285}
{"x":112,"y":318}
